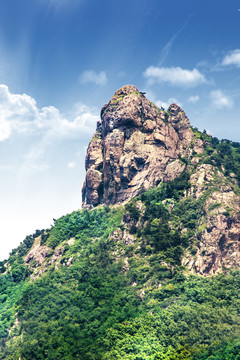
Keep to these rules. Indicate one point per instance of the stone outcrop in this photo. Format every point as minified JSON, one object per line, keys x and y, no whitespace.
{"x":40,"y":257}
{"x":218,"y":237}
{"x":135,"y":147}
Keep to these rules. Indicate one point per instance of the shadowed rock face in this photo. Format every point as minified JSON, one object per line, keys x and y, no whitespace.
{"x":135,"y":147}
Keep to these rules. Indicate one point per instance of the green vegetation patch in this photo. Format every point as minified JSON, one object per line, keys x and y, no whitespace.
{"x":85,"y":225}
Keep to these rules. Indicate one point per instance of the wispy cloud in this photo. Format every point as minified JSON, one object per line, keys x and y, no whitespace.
{"x":62,"y":4}
{"x":167,"y":48}
{"x":232,"y":58}
{"x":19,"y":114}
{"x":91,"y":76}
{"x":71,"y":165}
{"x":220,"y":100}
{"x":193,"y":98}
{"x":174,"y":76}
{"x":33,"y":161}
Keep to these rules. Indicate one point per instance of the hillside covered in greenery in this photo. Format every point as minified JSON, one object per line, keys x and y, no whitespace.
{"x":116,"y":282}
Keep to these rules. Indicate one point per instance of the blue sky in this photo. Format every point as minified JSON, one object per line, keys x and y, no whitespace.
{"x":62,"y":60}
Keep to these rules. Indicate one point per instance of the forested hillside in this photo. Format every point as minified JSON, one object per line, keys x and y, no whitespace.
{"x":149,"y":268}
{"x":116,"y":282}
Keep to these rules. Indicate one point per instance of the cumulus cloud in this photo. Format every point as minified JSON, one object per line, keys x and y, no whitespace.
{"x":91,"y":76}
{"x":20,"y":114}
{"x":232,"y":58}
{"x":174,"y":76}
{"x":220,"y":100}
{"x":40,"y":128}
{"x":193,"y":98}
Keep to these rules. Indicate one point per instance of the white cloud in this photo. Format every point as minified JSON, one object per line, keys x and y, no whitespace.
{"x":233,"y":58}
{"x":220,"y":100}
{"x":193,"y":98}
{"x":19,"y":114}
{"x":174,"y":76}
{"x":91,"y":76}
{"x":40,"y":128}
{"x":5,"y":130}
{"x":71,"y":164}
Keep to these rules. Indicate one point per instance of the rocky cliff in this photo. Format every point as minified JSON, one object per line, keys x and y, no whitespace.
{"x":217,"y":238}
{"x":136,"y":146}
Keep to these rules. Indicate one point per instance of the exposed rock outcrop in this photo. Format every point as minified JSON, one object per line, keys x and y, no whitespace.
{"x":218,"y":238}
{"x":136,"y":146}
{"x":40,"y":257}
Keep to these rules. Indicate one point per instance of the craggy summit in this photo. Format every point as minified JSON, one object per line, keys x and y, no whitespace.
{"x":135,"y":147}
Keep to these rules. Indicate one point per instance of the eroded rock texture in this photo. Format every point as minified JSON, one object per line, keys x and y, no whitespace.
{"x":218,"y":236}
{"x":136,"y":146}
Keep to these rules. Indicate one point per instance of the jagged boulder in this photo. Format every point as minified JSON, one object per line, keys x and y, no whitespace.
{"x":135,"y":147}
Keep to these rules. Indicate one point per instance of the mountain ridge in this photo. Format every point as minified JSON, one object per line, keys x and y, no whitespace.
{"x":137,"y":146}
{"x":155,"y":276}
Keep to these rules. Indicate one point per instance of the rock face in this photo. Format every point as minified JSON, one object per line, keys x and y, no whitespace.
{"x":218,"y":238}
{"x":135,"y":147}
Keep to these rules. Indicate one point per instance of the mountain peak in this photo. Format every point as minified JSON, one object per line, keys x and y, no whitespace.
{"x":136,"y":146}
{"x":126,"y":90}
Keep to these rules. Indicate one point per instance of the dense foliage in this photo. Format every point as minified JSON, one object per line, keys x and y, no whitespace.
{"x":91,"y":310}
{"x":10,"y":293}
